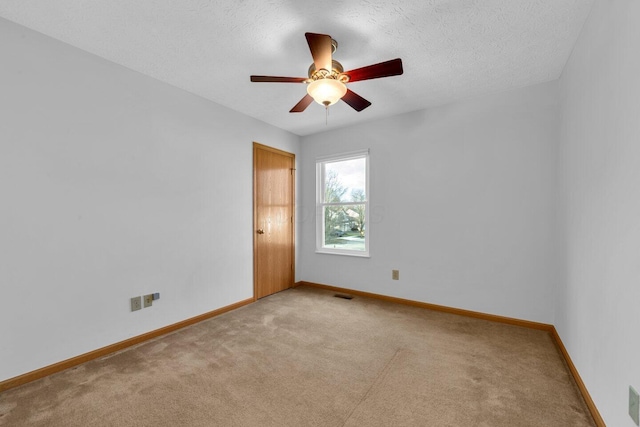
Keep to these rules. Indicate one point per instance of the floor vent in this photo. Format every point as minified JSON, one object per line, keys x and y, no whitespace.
{"x":343,"y":296}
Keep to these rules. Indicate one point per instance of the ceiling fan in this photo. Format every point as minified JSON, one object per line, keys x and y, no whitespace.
{"x":327,"y":81}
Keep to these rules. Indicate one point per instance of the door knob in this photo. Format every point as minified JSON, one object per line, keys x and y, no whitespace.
{"x":260,"y":231}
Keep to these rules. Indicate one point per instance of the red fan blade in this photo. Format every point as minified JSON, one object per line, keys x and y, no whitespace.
{"x":320,"y":46}
{"x":383,"y":69}
{"x":302,"y":105}
{"x":356,"y":102}
{"x":272,"y":79}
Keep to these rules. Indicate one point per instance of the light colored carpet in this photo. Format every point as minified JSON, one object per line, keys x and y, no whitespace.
{"x":305,"y":358}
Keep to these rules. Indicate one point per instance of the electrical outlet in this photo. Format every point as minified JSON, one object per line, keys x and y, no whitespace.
{"x":148,"y":300}
{"x":395,"y":274}
{"x":136,"y":303}
{"x":634,"y":405}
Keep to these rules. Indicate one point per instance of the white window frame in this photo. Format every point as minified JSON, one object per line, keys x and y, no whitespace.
{"x":320,"y":203}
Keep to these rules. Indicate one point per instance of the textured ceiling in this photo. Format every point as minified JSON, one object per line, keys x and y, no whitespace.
{"x":451,"y":49}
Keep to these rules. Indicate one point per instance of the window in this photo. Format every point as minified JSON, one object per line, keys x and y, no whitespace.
{"x":342,"y":219}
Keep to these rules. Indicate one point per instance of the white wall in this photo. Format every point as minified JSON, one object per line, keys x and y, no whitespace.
{"x":598,"y":312}
{"x":462,"y":203}
{"x":113,"y":185}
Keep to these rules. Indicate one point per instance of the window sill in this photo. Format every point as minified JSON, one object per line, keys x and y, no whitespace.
{"x":344,"y":253}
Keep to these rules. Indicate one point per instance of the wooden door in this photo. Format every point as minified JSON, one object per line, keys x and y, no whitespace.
{"x":273,"y":220}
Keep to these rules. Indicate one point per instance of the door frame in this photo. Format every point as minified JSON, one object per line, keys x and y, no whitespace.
{"x":258,"y":146}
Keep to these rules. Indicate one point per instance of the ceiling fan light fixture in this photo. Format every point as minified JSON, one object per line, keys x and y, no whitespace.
{"x":326,"y":91}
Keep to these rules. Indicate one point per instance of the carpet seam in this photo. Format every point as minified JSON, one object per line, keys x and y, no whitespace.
{"x":377,"y":380}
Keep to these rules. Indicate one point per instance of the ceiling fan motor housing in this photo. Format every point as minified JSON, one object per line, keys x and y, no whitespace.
{"x":335,"y":73}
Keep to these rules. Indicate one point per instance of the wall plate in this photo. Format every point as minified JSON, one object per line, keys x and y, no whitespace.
{"x":148,"y":300}
{"x":634,"y":405}
{"x":136,"y":303}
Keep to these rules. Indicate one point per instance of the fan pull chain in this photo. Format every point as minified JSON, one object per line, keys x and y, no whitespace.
{"x":326,"y":116}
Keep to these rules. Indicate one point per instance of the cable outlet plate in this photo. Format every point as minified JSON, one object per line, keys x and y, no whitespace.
{"x":634,"y":405}
{"x":136,"y":303}
{"x":148,"y":300}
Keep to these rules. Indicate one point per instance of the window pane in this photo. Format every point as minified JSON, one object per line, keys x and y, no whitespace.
{"x":344,"y":227}
{"x":342,"y":204}
{"x":345,"y":181}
